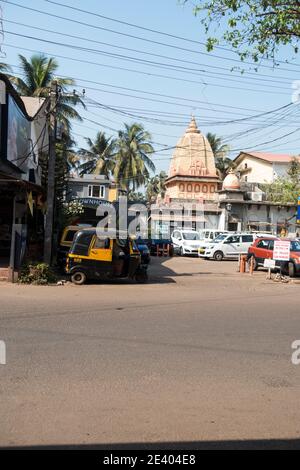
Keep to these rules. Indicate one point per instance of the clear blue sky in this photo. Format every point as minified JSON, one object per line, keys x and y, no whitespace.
{"x":210,"y":91}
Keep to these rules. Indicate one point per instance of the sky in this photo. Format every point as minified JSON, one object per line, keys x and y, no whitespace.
{"x":134,"y":75}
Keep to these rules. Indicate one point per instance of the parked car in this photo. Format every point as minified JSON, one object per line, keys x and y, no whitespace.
{"x":229,"y":246}
{"x":186,"y":242}
{"x":263,"y":248}
{"x":208,"y":237}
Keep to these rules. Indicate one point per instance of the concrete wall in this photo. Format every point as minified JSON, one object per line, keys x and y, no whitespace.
{"x":259,"y":215}
{"x":280,"y":169}
{"x":259,"y":171}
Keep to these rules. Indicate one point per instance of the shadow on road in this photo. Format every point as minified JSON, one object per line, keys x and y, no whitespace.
{"x":256,"y":444}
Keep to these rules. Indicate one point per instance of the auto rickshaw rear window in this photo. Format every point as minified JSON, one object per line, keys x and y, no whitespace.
{"x":81,"y":243}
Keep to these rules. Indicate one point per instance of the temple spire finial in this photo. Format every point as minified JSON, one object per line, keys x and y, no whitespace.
{"x":193,"y":125}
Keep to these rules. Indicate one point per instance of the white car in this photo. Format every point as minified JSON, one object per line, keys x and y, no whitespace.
{"x":186,"y":242}
{"x":207,"y":237}
{"x":229,"y":246}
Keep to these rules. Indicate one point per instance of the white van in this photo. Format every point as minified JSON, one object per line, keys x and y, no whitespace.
{"x":186,"y":242}
{"x":229,"y":246}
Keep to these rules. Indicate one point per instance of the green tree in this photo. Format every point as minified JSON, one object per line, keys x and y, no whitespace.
{"x":220,"y":151}
{"x":136,"y":196}
{"x":38,"y":72}
{"x":99,"y":158}
{"x":156,"y":186}
{"x":253,"y":28}
{"x":285,"y":189}
{"x":133,"y":162}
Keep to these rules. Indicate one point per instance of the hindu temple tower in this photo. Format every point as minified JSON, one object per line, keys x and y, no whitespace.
{"x":192,"y":173}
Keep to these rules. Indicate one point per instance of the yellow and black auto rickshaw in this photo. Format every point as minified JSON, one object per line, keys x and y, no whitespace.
{"x":98,"y":258}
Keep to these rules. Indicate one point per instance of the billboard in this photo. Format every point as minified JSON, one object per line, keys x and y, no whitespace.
{"x":298,"y":211}
{"x":18,"y":136}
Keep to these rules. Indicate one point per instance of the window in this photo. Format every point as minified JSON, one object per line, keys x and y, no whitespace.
{"x":96,"y":191}
{"x":191,"y":236}
{"x":70,"y":235}
{"x":263,"y":244}
{"x":101,"y":243}
{"x":204,"y":188}
{"x":271,"y":245}
{"x":81,"y":243}
{"x":247,"y":238}
{"x":233,"y":239}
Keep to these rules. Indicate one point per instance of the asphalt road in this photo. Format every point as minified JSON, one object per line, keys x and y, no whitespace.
{"x":198,"y":357}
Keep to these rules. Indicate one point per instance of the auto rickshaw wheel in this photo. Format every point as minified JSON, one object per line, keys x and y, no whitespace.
{"x":78,"y":278}
{"x":141,"y":277}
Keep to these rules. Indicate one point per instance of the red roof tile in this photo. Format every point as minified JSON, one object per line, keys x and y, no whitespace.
{"x":272,"y":157}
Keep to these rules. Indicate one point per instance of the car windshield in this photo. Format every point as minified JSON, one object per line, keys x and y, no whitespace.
{"x":295,"y":246}
{"x":191,"y":236}
{"x":219,"y":238}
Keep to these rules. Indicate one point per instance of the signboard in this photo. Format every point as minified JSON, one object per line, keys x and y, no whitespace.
{"x":269,"y":263}
{"x":281,"y":250}
{"x":18,"y":136}
{"x":92,"y":202}
{"x":298,"y":211}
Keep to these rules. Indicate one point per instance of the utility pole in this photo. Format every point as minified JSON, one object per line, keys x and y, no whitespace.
{"x":49,"y":222}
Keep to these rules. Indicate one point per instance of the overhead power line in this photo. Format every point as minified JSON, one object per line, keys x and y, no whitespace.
{"x":143,"y":28}
{"x":230,"y":72}
{"x":72,"y":20}
{"x":168,"y":67}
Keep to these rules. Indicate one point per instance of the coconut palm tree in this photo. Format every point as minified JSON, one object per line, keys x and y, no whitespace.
{"x":156,"y":186}
{"x":38,"y":72}
{"x":220,"y":151}
{"x":133,"y":162}
{"x":99,"y":157}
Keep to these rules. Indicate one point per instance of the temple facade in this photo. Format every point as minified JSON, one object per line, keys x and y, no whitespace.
{"x":191,"y":199}
{"x":192,"y":173}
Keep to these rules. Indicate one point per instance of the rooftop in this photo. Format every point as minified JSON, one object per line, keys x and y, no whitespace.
{"x":269,"y":157}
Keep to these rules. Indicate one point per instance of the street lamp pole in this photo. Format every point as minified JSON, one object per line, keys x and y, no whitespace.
{"x":49,"y":220}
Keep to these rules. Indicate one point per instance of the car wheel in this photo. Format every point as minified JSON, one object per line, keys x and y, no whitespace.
{"x":181,"y":251}
{"x":78,"y":278}
{"x":219,"y":255}
{"x":291,"y":269}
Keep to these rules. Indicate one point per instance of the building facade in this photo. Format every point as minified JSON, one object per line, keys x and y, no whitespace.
{"x":262,"y":167}
{"x":23,"y":135}
{"x":243,"y":209}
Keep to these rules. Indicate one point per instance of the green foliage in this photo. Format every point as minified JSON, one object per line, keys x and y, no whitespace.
{"x":156,"y":186}
{"x":220,"y":151}
{"x":133,"y":162}
{"x":253,"y":28}
{"x":99,"y":158}
{"x":36,"y":274}
{"x":136,"y":196}
{"x":73,"y":208}
{"x":38,"y":72}
{"x":285,"y":189}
